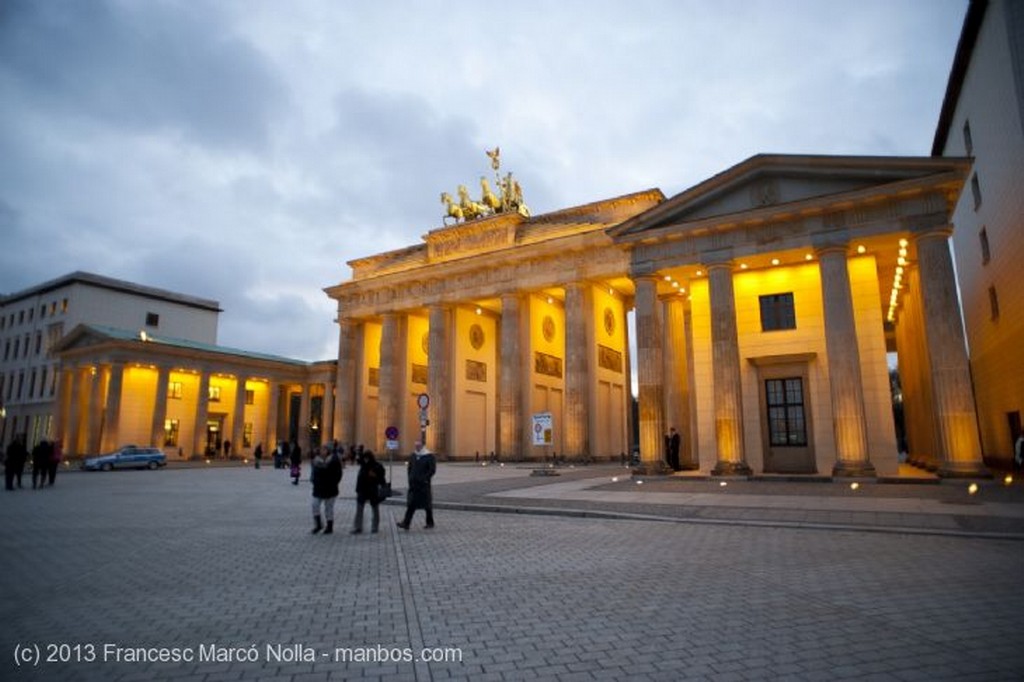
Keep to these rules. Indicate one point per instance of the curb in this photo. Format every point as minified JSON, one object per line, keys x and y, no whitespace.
{"x":571,"y":512}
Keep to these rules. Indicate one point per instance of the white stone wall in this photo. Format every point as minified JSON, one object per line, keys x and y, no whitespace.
{"x":990,"y":101}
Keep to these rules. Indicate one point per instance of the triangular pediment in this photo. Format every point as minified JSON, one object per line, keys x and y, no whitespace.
{"x":83,"y":336}
{"x":786,"y":183}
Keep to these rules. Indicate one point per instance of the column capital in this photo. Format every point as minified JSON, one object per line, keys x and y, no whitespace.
{"x":727,"y":264}
{"x":832,"y":248}
{"x":931,"y":232}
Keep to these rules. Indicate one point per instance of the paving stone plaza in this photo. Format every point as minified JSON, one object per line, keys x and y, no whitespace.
{"x":574,"y":577}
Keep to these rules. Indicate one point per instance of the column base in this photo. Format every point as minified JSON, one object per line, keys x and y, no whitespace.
{"x":658,"y":468}
{"x":863,"y":469}
{"x":732,"y":469}
{"x":963,"y":470}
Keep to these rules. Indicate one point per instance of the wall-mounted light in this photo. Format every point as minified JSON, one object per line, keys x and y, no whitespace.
{"x":775,"y":261}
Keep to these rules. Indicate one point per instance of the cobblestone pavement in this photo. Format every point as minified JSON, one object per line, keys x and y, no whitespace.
{"x":105,"y":573}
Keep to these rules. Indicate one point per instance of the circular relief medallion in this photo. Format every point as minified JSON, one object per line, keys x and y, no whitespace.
{"x":476,"y":337}
{"x":609,"y":321}
{"x":548,"y":328}
{"x":425,"y":343}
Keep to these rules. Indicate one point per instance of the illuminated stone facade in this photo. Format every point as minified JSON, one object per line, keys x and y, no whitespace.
{"x":765,"y":301}
{"x":119,"y":387}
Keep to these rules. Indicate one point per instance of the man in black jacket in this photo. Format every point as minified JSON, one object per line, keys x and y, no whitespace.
{"x":422,"y":467}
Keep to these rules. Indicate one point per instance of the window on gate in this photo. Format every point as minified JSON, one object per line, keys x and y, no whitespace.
{"x":777,"y":312}
{"x":787,"y":425}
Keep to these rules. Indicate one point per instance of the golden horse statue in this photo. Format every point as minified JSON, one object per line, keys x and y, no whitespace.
{"x":471,"y":210}
{"x":488,"y":198}
{"x":453,"y":209}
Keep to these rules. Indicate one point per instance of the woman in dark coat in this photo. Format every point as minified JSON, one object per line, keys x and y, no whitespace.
{"x":368,"y":483}
{"x":325,"y":475}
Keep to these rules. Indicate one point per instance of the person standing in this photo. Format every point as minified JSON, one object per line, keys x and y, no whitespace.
{"x":673,"y":441}
{"x":368,"y":484}
{"x":258,"y":454}
{"x":295,"y":459}
{"x":1018,"y":451}
{"x":422,"y":467}
{"x":326,"y":475}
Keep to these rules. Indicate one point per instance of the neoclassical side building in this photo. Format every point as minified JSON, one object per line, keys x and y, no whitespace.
{"x":187,"y":397}
{"x":766,"y":301}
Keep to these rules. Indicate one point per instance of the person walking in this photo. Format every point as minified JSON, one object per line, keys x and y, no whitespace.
{"x":14,"y":465}
{"x":422,"y":467}
{"x":368,"y":485}
{"x":40,"y":465}
{"x":325,"y":474}
{"x":56,"y":453}
{"x":258,"y":454}
{"x":295,"y":458}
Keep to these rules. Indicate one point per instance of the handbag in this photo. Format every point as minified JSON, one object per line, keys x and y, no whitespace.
{"x":383,"y":491}
{"x":295,"y":470}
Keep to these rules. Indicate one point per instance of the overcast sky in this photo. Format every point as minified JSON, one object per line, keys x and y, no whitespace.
{"x":245,"y":151}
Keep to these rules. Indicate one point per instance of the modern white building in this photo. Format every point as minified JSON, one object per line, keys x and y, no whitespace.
{"x":983,"y":118}
{"x":34,"y":320}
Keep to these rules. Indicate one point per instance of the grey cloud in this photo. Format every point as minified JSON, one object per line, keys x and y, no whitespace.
{"x":141,"y":67}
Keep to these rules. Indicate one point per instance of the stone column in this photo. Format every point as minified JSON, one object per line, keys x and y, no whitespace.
{"x":392,"y":362}
{"x":650,"y":370}
{"x":958,"y":443}
{"x":238,"y":417}
{"x":273,"y":402}
{"x":304,"y":436}
{"x":677,"y":384}
{"x":70,"y":383}
{"x":327,"y":413}
{"x":94,"y":414}
{"x":345,"y":384}
{"x":510,"y":388}
{"x":202,"y":414}
{"x":159,"y":407}
{"x":848,"y":420}
{"x":438,"y":372}
{"x":112,"y":420}
{"x":576,"y":442}
{"x":725,"y":361}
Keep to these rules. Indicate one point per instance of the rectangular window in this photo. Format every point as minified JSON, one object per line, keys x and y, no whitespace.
{"x":174,"y":390}
{"x":993,"y":301}
{"x":976,"y":191}
{"x":986,"y":253}
{"x":777,"y":312}
{"x":39,"y":342}
{"x":152,"y":320}
{"x":64,"y":305}
{"x":214,"y":394}
{"x":250,"y":397}
{"x":968,"y":142}
{"x":247,"y":435}
{"x":170,"y":432}
{"x":787,"y":425}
